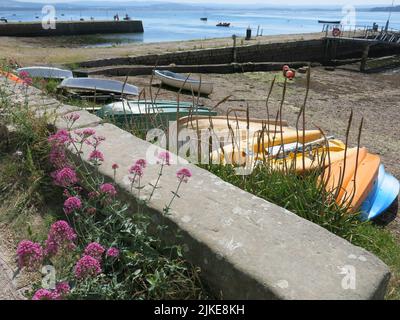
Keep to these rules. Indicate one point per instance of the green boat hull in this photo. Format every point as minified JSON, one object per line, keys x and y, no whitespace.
{"x":146,"y":116}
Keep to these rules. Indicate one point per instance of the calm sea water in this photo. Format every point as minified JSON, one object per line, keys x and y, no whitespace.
{"x":168,"y":25}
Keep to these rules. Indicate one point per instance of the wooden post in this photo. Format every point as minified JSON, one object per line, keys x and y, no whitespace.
{"x":364,"y":59}
{"x":234,"y":48}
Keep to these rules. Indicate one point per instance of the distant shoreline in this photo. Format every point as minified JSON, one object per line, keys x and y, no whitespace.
{"x":386,"y":9}
{"x":60,"y":51}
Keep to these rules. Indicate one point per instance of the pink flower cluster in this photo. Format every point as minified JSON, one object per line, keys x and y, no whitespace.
{"x":25,"y":76}
{"x":57,"y":153}
{"x":61,"y":137}
{"x":138,"y":168}
{"x":61,"y":290}
{"x":112,"y":252}
{"x":61,"y":237}
{"x":183,"y":174}
{"x":30,"y":255}
{"x":96,"y":156}
{"x":57,"y":156}
{"x":164,"y":157}
{"x":65,"y":177}
{"x":95,"y":141}
{"x":72,"y":204}
{"x":95,"y":250}
{"x":72,"y":117}
{"x":85,"y":133}
{"x":108,"y":188}
{"x":86,"y":267}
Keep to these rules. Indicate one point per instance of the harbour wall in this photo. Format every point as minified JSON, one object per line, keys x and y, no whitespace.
{"x":318,"y":50}
{"x":67,"y":28}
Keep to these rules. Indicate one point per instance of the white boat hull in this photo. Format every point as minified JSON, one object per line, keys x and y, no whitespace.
{"x":184,"y":83}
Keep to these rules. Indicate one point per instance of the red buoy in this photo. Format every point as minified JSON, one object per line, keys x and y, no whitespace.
{"x":290,"y":74}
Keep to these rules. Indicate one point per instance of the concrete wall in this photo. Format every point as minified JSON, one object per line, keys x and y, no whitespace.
{"x":34,"y":29}
{"x":309,"y":50}
{"x":246,"y":247}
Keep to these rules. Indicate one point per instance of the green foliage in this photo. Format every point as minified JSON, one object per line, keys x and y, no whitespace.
{"x":30,"y":203}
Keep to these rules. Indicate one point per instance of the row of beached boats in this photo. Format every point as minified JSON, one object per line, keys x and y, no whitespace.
{"x":168,"y":78}
{"x":355,"y":177}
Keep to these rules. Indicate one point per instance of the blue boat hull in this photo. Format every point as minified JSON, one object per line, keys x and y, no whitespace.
{"x":385,"y":190}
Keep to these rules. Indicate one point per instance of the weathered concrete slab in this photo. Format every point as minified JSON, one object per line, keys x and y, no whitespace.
{"x":246,"y":247}
{"x":86,"y":119}
{"x":54,"y":112}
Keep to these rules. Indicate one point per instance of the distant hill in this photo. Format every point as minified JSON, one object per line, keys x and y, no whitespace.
{"x":387,"y":9}
{"x":9,"y":4}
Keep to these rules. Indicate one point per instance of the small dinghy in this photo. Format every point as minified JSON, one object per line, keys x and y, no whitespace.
{"x":46,"y":72}
{"x":147,"y":114}
{"x":98,"y":85}
{"x":181,"y":81}
{"x":223,"y":24}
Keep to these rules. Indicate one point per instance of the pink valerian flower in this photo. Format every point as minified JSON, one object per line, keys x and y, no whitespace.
{"x":61,"y":237}
{"x":86,"y":267}
{"x":61,"y":290}
{"x":112,"y":252}
{"x":72,"y":117}
{"x":64,"y":177}
{"x":115,"y":167}
{"x":108,"y":188}
{"x":164,"y":157}
{"x":44,"y":294}
{"x":60,"y":137}
{"x":137,"y":168}
{"x":25,"y":76}
{"x":183,"y":174}
{"x":88,"y":132}
{"x":142,"y":163}
{"x":72,"y":204}
{"x":96,"y":156}
{"x":58,"y":157}
{"x":95,"y":141}
{"x":30,"y":255}
{"x":95,"y":250}
{"x":84,"y":134}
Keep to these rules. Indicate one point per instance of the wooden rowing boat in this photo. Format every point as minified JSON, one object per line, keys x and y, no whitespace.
{"x":99,"y":86}
{"x":146,"y":114}
{"x":181,"y":81}
{"x":46,"y":72}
